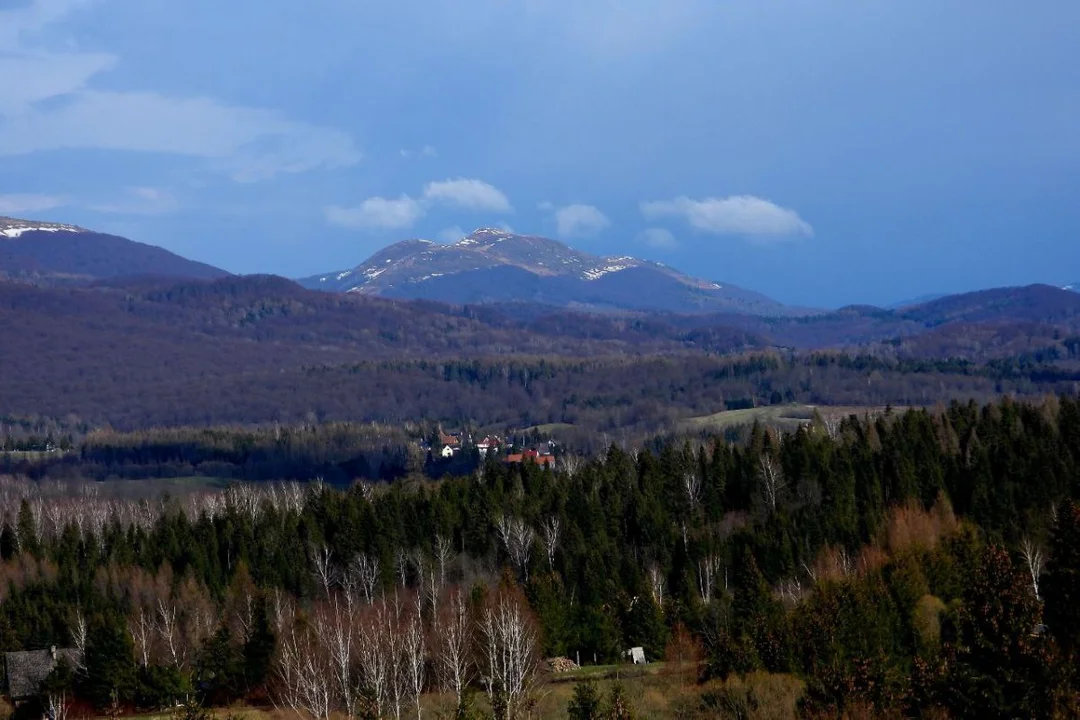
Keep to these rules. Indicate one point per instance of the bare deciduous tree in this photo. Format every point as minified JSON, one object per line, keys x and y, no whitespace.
{"x":169,"y":631}
{"x":333,"y":625}
{"x":401,"y":564}
{"x":366,"y":570}
{"x":57,"y":705}
{"x":1033,"y":556}
{"x":550,"y":533}
{"x":78,"y":639}
{"x":656,"y":584}
{"x":772,"y":480}
{"x":323,"y":568}
{"x":415,"y":657}
{"x":510,"y":654}
{"x":708,"y":567}
{"x":517,"y":538}
{"x":791,"y":590}
{"x":141,"y":628}
{"x":375,"y":658}
{"x":444,"y":555}
{"x":454,"y":651}
{"x":305,"y":681}
{"x":692,"y":489}
{"x":569,"y":465}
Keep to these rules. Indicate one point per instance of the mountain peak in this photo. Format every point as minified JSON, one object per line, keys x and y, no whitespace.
{"x":14,"y":227}
{"x":484,"y":236}
{"x":495,"y":265}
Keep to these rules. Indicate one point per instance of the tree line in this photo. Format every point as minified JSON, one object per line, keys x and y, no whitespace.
{"x":916,"y":561}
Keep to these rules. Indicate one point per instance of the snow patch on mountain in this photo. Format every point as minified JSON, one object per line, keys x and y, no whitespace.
{"x":597,"y":273}
{"x":16,"y":228}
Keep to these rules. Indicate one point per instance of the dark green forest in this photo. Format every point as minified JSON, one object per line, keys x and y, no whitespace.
{"x":914,"y":563}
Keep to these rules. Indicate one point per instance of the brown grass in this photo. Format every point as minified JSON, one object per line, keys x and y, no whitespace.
{"x":756,"y":696}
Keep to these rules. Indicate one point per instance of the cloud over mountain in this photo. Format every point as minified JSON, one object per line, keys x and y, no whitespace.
{"x":377,"y":213}
{"x":574,"y":221}
{"x":469,"y":194}
{"x":380,"y":213}
{"x":744,"y":215}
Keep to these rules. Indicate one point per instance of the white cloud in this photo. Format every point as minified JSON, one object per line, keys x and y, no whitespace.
{"x":425,"y":152}
{"x":246,"y":143}
{"x":140,"y":201}
{"x":405,"y":211}
{"x":658,"y":238}
{"x":17,"y":203}
{"x":579,"y":221}
{"x":377,"y":214}
{"x":469,"y":194}
{"x":736,"y":215}
{"x":451,"y":235}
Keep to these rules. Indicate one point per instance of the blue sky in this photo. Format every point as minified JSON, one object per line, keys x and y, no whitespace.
{"x":824,"y":153}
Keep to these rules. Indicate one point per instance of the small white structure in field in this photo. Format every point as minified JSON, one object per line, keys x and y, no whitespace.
{"x":636,"y":655}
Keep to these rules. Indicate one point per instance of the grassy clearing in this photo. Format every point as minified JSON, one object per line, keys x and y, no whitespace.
{"x":658,"y":691}
{"x":36,"y":455}
{"x":785,"y":417}
{"x":549,"y":428}
{"x":607,"y":672}
{"x":159,"y":487}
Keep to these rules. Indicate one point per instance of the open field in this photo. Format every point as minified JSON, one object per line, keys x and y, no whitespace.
{"x":139,"y":488}
{"x":159,"y":487}
{"x":549,"y":428}
{"x":785,"y":417}
{"x":657,"y":691}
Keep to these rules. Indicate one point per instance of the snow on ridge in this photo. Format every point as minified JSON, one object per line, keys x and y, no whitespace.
{"x":15,"y":231}
{"x":597,"y":273}
{"x":343,"y":275}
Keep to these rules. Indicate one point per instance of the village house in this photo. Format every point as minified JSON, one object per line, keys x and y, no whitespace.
{"x":488,"y":444}
{"x":532,"y":456}
{"x":450,"y":440}
{"x":28,"y":669}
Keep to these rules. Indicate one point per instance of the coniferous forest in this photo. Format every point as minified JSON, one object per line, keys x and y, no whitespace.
{"x":923,"y":563}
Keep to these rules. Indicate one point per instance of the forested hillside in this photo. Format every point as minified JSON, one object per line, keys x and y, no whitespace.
{"x":134,"y":353}
{"x":922,"y":563}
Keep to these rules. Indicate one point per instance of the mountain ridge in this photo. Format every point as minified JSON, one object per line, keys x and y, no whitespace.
{"x":491,"y":265}
{"x":60,"y":253}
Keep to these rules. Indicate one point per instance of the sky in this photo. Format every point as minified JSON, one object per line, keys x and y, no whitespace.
{"x":824,"y":153}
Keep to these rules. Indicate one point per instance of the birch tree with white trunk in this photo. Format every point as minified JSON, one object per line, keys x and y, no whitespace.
{"x":1035,"y":560}
{"x":454,"y":649}
{"x":511,"y":659}
{"x":551,"y":534}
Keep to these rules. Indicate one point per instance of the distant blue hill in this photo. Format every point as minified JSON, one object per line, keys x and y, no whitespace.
{"x":916,"y":301}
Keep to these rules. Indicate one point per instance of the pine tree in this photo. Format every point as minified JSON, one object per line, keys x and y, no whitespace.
{"x":585,"y":705}
{"x":110,"y":663}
